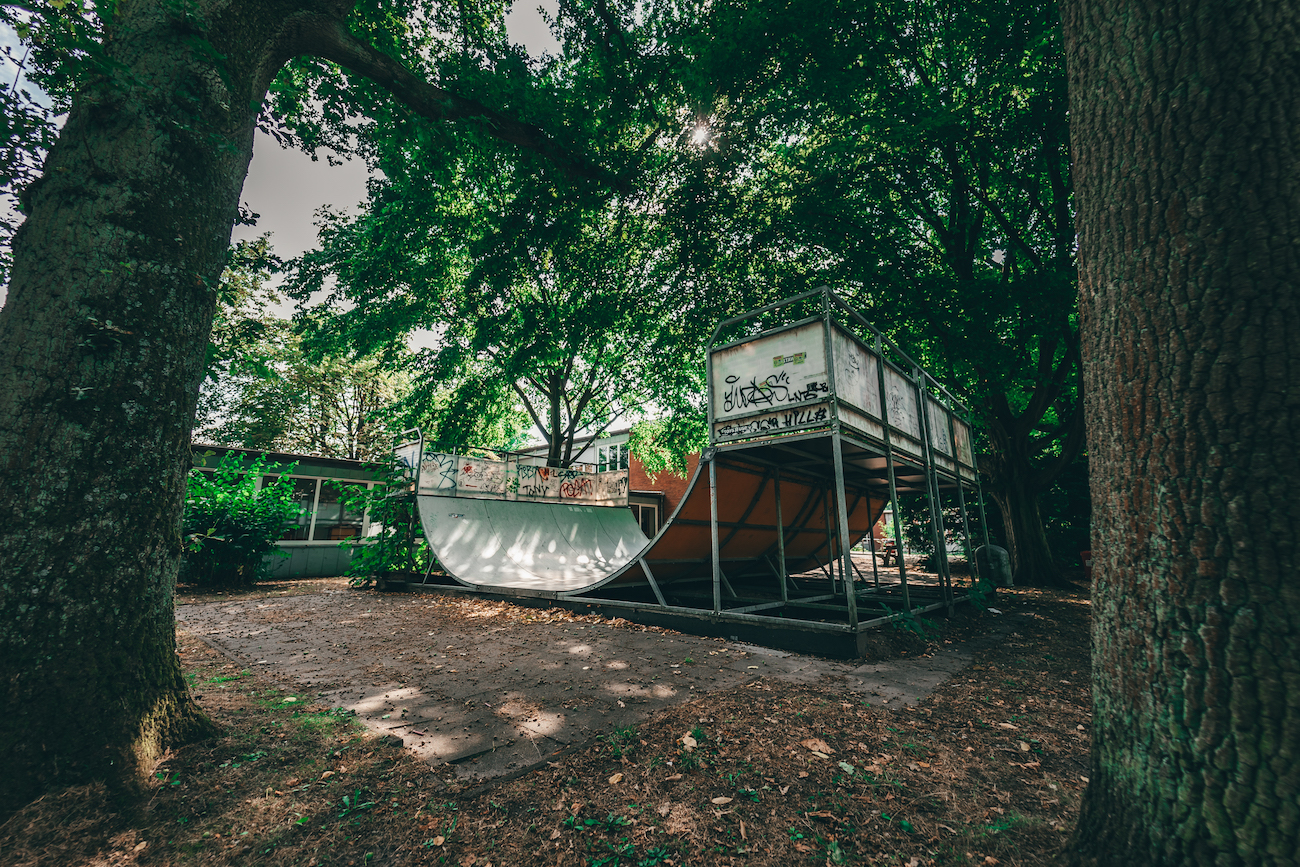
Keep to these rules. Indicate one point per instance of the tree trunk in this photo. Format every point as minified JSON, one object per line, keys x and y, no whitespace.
{"x":1032,"y":563}
{"x":102,"y":342}
{"x":1016,"y":485}
{"x":555,"y":455}
{"x":1187,"y":162}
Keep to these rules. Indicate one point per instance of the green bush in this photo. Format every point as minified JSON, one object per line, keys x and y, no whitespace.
{"x":396,"y":542}
{"x":230,"y":526}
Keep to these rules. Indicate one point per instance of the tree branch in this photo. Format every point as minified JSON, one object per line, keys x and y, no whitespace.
{"x":529,"y":407}
{"x":330,"y":39}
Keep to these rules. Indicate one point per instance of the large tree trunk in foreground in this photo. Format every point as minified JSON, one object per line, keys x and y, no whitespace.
{"x":102,"y":342}
{"x":1187,"y":154}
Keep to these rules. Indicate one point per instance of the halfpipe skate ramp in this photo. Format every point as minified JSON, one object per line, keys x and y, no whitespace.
{"x":562,"y":548}
{"x":541,"y":547}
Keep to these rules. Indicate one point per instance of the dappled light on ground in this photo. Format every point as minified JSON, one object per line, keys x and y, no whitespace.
{"x":488,"y":688}
{"x":770,"y":771}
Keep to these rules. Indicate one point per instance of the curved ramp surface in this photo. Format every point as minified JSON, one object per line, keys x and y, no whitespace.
{"x":548,"y":547}
{"x":557,"y":548}
{"x":747,"y":524}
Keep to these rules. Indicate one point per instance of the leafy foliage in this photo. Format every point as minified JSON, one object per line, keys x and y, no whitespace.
{"x":665,"y":444}
{"x":263,"y":390}
{"x":230,"y":525}
{"x":396,"y":542}
{"x":544,"y":301}
{"x":57,"y":45}
{"x":913,"y":155}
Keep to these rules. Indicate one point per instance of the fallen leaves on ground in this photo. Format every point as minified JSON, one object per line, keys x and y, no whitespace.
{"x":987,"y":770}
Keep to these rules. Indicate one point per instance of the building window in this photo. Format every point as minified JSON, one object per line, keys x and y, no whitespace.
{"x":304,"y":495}
{"x":333,"y":522}
{"x":611,"y":457}
{"x":647,"y":517}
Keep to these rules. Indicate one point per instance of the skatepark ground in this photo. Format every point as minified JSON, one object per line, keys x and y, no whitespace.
{"x":540,"y":736}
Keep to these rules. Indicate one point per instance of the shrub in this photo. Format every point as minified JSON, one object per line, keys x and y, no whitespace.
{"x":396,"y":542}
{"x":230,"y":526}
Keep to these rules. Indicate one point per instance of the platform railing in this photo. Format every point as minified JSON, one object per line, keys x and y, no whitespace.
{"x":501,"y":475}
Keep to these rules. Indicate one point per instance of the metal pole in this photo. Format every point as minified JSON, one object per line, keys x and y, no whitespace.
{"x":961,"y":499}
{"x":889,"y":465}
{"x":419,"y":463}
{"x":829,"y":352}
{"x":932,"y":490}
{"x":965,"y":533}
{"x":984,"y":519}
{"x":850,"y":592}
{"x":875,"y":569}
{"x":830,"y":541}
{"x":780,"y":537}
{"x":713,"y":529}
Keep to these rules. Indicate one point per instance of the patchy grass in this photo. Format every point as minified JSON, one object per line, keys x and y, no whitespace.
{"x":987,"y":770}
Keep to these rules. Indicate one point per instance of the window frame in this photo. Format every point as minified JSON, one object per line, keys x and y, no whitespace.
{"x":315,"y":510}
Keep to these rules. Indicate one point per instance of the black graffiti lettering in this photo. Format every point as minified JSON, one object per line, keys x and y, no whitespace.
{"x":797,"y":418}
{"x":812,"y":391}
{"x":772,"y":390}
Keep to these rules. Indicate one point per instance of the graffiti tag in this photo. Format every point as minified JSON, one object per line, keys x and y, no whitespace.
{"x":775,"y":389}
{"x":796,"y":418}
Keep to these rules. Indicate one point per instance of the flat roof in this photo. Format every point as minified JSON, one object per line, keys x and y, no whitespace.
{"x":352,"y":468}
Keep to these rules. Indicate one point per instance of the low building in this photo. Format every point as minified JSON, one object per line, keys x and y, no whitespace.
{"x":312,"y":543}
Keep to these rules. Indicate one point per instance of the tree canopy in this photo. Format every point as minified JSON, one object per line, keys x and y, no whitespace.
{"x":264,"y":390}
{"x":911,"y":155}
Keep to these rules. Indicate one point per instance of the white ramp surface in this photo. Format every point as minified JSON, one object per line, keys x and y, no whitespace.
{"x":552,"y":547}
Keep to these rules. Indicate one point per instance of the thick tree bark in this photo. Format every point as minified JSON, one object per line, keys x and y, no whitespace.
{"x":1187,"y":162}
{"x":101,"y":353}
{"x":102,"y":342}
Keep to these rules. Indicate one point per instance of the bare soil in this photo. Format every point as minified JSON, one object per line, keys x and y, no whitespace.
{"x":987,"y":770}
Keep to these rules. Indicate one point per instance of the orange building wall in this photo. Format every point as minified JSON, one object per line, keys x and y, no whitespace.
{"x":672,"y":486}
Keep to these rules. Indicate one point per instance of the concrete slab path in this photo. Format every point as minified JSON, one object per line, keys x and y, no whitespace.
{"x":489,"y":694}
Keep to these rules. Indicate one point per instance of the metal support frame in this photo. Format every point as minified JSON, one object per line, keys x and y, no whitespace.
{"x":932,"y":488}
{"x":713,"y":530}
{"x":726,"y":585}
{"x":780,"y":538}
{"x":830,"y":539}
{"x":654,"y":585}
{"x":837,"y":533}
{"x":984,"y":520}
{"x":889,"y":465}
{"x":871,"y":542}
{"x":850,"y":593}
{"x":961,"y":501}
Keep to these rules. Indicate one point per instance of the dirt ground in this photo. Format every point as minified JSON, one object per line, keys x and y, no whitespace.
{"x":490,"y":687}
{"x":987,"y":769}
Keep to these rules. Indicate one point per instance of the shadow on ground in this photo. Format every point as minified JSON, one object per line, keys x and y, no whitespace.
{"x":491,"y":688}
